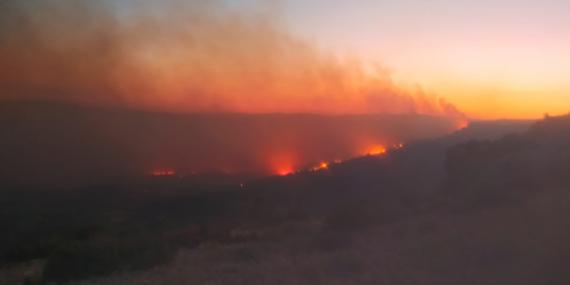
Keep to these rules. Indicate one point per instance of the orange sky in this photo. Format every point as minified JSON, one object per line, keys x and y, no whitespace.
{"x":492,"y":59}
{"x":189,"y":59}
{"x":489,"y":59}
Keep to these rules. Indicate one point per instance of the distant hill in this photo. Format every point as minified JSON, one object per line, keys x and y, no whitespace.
{"x":139,"y":221}
{"x":416,"y":170}
{"x":493,"y":172}
{"x":54,"y":144}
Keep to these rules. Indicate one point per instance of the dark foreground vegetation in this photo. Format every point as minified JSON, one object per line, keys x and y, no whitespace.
{"x":485,"y":205}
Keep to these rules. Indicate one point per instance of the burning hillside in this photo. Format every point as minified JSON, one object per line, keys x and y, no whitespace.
{"x":215,"y":89}
{"x":48,"y":142}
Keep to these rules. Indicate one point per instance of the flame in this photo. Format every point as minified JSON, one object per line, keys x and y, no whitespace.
{"x":285,"y":172}
{"x":377,"y":150}
{"x":285,"y":163}
{"x":397,"y":146}
{"x":323,"y":165}
{"x":163,"y":173}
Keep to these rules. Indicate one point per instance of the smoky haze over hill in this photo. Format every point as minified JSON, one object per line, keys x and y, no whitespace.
{"x":428,"y":190}
{"x":215,"y":65}
{"x":188,"y":56}
{"x":55,"y":144}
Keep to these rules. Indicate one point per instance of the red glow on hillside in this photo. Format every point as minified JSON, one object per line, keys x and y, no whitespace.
{"x":377,"y":150}
{"x":397,"y":146}
{"x":163,"y":173}
{"x":284,"y":172}
{"x":285,"y":164}
{"x":321,"y":166}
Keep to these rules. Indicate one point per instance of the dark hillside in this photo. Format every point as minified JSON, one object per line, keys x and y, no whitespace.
{"x":139,"y":222}
{"x":496,"y":171}
{"x":56,"y":145}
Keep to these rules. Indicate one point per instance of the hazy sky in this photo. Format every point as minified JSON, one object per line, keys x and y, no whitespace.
{"x":492,"y":58}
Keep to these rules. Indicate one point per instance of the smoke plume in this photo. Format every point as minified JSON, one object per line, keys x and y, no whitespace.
{"x":185,"y":57}
{"x":248,"y":96}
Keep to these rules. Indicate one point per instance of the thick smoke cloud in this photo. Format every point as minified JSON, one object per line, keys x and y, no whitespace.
{"x":184,"y":57}
{"x":228,"y":76}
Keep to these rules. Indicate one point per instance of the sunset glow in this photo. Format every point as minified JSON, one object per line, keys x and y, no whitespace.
{"x":267,"y":142}
{"x":193,"y":67}
{"x":492,"y":59}
{"x":498,"y":59}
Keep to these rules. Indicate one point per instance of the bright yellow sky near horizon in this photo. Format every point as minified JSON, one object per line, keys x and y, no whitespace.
{"x":492,"y":59}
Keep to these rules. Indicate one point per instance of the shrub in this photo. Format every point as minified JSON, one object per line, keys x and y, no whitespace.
{"x":243,"y":254}
{"x":554,"y":271}
{"x":426,"y":227}
{"x":400,"y":231}
{"x":82,"y":260}
{"x":358,"y":216}
{"x":76,"y":261}
{"x":344,"y":266}
{"x":330,"y":242}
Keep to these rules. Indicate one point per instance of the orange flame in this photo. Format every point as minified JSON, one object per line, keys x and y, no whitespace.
{"x":285,"y":172}
{"x":377,"y":150}
{"x":163,"y":173}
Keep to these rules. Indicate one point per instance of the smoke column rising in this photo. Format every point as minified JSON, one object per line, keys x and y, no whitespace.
{"x":185,"y":57}
{"x":248,"y":96}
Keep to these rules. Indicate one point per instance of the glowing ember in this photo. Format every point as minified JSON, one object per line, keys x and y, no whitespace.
{"x":398,"y":146}
{"x":378,"y":150}
{"x":164,"y":173}
{"x":322,"y":166}
{"x":289,"y":170}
